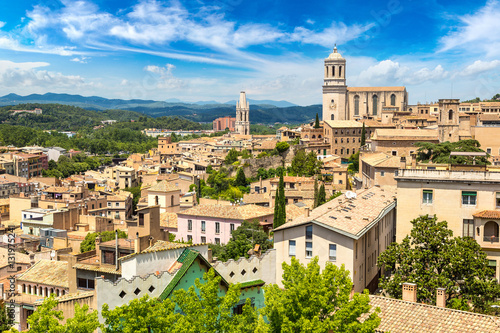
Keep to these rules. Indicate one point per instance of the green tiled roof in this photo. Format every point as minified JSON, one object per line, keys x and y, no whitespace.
{"x":188,"y":256}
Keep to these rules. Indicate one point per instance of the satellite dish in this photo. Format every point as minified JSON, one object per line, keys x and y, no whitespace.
{"x":350,"y":195}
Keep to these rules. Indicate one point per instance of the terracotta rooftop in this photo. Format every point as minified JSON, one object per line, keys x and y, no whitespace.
{"x":20,"y":258}
{"x":255,"y":198}
{"x":402,"y":316}
{"x":382,"y":160}
{"x":349,"y":216}
{"x":245,"y":212}
{"x":290,"y":179}
{"x":49,"y":272}
{"x":404,"y":134}
{"x":161,"y":246}
{"x":110,"y":269}
{"x":164,"y":186}
{"x":168,"y":220}
{"x":488,"y":214}
{"x":344,"y":123}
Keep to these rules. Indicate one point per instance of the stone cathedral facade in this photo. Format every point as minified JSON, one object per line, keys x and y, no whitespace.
{"x":242,"y":125}
{"x":341,"y":102}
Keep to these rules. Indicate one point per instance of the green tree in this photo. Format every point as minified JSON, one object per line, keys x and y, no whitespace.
{"x":353,"y":163}
{"x":313,"y":165}
{"x":315,"y":300}
{"x":299,"y":163}
{"x":363,"y":135}
{"x":83,"y":321}
{"x":440,"y":152}
{"x":45,"y":318}
{"x":88,"y":243}
{"x":240,"y":180}
{"x":136,"y":195}
{"x":5,"y":322}
{"x":141,"y":315}
{"x":205,"y":310}
{"x":432,"y":258}
{"x":316,"y":123}
{"x":231,"y":157}
{"x":321,"y":195}
{"x":281,"y":148}
{"x":243,"y":239}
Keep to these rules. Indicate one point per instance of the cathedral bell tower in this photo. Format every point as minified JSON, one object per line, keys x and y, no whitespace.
{"x":242,"y":125}
{"x":448,"y":123}
{"x":334,"y":88}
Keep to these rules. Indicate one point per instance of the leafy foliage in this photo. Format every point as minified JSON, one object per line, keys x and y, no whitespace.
{"x":312,"y":300}
{"x":136,"y":195}
{"x":363,"y":135}
{"x":243,"y":239}
{"x":282,"y":147}
{"x":354,"y":163}
{"x":432,"y":258}
{"x":4,"y":318}
{"x":88,"y":243}
{"x":316,"y":123}
{"x":280,"y":203}
{"x":440,"y":152}
{"x":83,"y":321}
{"x":321,"y":195}
{"x":305,"y":165}
{"x":240,"y":180}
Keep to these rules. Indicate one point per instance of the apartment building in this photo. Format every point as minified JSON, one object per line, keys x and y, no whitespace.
{"x":467,"y":198}
{"x":350,"y":231}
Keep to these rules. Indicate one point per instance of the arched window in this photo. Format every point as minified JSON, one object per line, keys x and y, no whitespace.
{"x":393,"y":100}
{"x":490,"y":229}
{"x":450,"y":115}
{"x":46,"y":292}
{"x":333,"y":71}
{"x":319,"y":136}
{"x":24,"y":288}
{"x":340,"y":71}
{"x":313,"y":136}
{"x":40,"y":291}
{"x":333,"y":117}
{"x":356,"y":105}
{"x":172,"y":201}
{"x":51,"y":291}
{"x":57,"y":292}
{"x":156,"y":200}
{"x":29,"y":289}
{"x":375,"y":104}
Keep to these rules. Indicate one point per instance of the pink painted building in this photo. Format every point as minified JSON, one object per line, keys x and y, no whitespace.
{"x":214,"y":223}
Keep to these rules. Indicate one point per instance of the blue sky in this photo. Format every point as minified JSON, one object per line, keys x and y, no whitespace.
{"x":210,"y":50}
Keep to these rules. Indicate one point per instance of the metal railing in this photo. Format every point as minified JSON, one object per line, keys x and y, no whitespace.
{"x":491,"y":239}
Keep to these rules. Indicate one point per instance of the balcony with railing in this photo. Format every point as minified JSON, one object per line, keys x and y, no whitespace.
{"x":491,"y":239}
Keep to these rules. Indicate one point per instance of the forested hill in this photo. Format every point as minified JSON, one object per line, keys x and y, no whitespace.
{"x":71,"y":118}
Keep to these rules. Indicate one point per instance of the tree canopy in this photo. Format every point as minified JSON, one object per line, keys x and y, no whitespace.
{"x":432,"y":258}
{"x":88,"y":243}
{"x":312,"y":300}
{"x":305,"y":165}
{"x":440,"y":152}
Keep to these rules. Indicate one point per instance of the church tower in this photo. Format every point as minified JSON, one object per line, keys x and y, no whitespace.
{"x":335,"y":88}
{"x":448,"y":122}
{"x":242,"y":124}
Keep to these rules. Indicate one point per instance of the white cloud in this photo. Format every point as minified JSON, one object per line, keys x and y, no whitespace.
{"x":337,"y":33}
{"x":2,"y":24}
{"x":27,"y":75}
{"x":163,"y":78}
{"x":479,"y":66}
{"x":476,"y":32}
{"x":82,"y":60}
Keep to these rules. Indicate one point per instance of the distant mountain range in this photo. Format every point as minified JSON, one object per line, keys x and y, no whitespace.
{"x":262,"y":111}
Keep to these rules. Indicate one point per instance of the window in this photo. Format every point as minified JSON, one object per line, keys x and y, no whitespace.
{"x":356,"y":105}
{"x":117,"y":204}
{"x":347,"y":151}
{"x":309,"y":232}
{"x":190,"y":238}
{"x":309,"y":249}
{"x":468,"y":230}
{"x":427,"y":197}
{"x":488,"y":150}
{"x":382,"y":173}
{"x":217,"y":227}
{"x":393,"y":100}
{"x":469,"y":198}
{"x":157,"y":200}
{"x":333,"y":252}
{"x":217,"y":241}
{"x":203,"y":226}
{"x":203,"y":239}
{"x":450,"y":115}
{"x":497,"y":199}
{"x":141,"y":219}
{"x":231,"y":226}
{"x":85,"y":283}
{"x":291,"y":248}
{"x":375,"y":104}
{"x":190,"y":225}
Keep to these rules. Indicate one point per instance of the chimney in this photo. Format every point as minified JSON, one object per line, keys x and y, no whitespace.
{"x":441,"y":297}
{"x":307,"y":211}
{"x":410,"y":292}
{"x":402,"y":162}
{"x":413,"y":160}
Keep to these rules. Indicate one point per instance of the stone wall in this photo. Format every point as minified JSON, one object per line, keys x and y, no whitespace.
{"x":252,"y":165}
{"x":251,"y":269}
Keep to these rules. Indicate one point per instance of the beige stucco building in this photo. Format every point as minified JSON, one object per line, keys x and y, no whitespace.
{"x":344,"y":231}
{"x":468,"y":200}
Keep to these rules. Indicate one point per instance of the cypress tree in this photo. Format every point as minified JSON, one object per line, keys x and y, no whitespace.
{"x":277,"y":210}
{"x":363,"y":136}
{"x":316,"y":124}
{"x":280,"y":203}
{"x":240,"y":180}
{"x":282,"y":199}
{"x":321,"y":195}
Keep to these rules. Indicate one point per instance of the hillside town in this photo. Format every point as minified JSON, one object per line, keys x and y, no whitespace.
{"x":358,"y":188}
